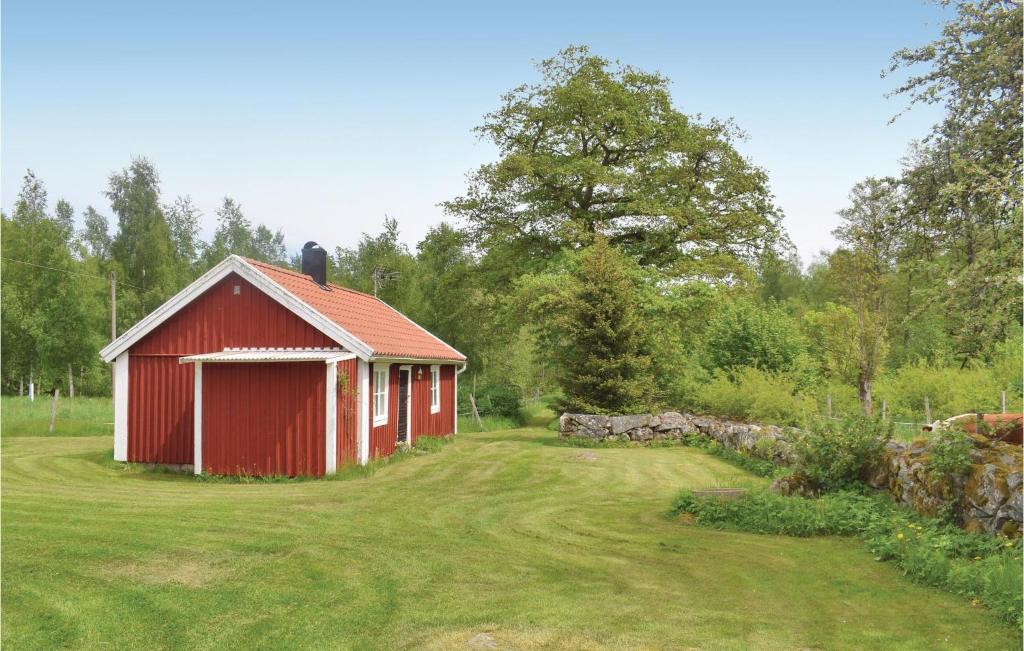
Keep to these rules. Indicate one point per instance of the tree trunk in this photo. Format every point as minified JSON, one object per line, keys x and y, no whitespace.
{"x":21,"y":385}
{"x":864,"y":389}
{"x":53,"y":410}
{"x":71,"y":383}
{"x":31,"y":384}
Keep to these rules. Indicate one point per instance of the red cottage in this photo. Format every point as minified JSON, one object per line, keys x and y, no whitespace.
{"x":257,"y":370}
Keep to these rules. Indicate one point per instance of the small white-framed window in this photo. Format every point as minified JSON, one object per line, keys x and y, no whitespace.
{"x":435,"y":389}
{"x":380,"y":394}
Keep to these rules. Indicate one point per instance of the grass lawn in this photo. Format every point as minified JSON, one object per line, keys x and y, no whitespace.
{"x":498,"y":536}
{"x":20,"y":416}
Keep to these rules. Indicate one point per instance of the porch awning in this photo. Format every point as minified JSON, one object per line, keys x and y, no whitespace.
{"x":326,"y":355}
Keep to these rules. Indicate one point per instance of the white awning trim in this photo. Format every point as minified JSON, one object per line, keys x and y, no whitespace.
{"x":326,"y":355}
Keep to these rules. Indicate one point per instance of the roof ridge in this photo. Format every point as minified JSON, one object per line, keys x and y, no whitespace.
{"x":307,"y":277}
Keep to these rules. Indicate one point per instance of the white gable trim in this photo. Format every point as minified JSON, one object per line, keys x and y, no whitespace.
{"x":235,"y":264}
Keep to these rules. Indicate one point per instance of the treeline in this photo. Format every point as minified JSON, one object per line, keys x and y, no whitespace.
{"x":56,"y":278}
{"x":621,"y":255}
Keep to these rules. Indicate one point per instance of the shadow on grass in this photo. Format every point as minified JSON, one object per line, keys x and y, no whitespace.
{"x":157,"y":472}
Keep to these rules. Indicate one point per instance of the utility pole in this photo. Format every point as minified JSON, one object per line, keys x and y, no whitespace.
{"x":113,"y":326}
{"x":113,"y":305}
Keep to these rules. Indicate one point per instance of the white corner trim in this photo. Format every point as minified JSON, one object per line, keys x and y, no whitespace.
{"x":408,"y":400}
{"x":363,"y":412}
{"x":197,"y":420}
{"x":435,"y":371}
{"x":455,"y":400}
{"x":121,"y":407}
{"x":381,"y":419}
{"x":331,"y":433}
{"x":234,"y":263}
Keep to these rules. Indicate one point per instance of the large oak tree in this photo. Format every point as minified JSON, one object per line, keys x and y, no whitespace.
{"x":597,"y":148}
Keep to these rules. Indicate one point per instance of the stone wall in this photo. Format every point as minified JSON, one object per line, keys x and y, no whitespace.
{"x":989,"y":497}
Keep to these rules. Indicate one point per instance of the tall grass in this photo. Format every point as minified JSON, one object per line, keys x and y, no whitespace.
{"x":20,"y":416}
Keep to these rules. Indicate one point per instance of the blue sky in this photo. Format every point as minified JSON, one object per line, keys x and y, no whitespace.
{"x":322,"y":118}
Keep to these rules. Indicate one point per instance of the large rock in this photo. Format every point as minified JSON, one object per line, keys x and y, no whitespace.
{"x":585,"y":425}
{"x":623,"y":424}
{"x":673,"y":420}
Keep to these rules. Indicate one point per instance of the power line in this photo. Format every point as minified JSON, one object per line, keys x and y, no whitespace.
{"x":65,"y":271}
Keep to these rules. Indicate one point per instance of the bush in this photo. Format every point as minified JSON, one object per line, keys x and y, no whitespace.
{"x":756,"y":395}
{"x":980,"y":567}
{"x":950,"y":391}
{"x":951,"y":453}
{"x":834,"y":454}
{"x":752,"y":334}
{"x":498,"y":400}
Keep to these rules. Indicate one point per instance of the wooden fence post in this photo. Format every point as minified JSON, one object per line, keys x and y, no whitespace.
{"x":472,"y":403}
{"x":828,"y":404}
{"x":927,"y":411}
{"x":53,"y":409}
{"x":885,"y":409}
{"x":1002,"y":401}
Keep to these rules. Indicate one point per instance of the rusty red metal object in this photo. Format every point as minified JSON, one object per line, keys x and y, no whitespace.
{"x":1008,"y":428}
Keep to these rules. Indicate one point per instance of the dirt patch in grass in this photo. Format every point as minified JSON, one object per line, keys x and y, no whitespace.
{"x":192,"y":571}
{"x":486,"y":638}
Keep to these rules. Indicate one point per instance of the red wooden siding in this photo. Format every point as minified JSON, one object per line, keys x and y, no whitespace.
{"x":264,"y":419}
{"x":383,"y":438}
{"x":425,"y":423}
{"x":159,"y":410}
{"x":160,"y":389}
{"x":347,"y":419}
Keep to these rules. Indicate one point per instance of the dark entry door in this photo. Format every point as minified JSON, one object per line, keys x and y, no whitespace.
{"x":403,"y":406}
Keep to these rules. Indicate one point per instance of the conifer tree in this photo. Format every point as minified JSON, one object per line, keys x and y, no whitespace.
{"x":604,"y":351}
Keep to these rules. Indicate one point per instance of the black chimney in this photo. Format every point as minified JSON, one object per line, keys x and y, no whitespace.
{"x":314,"y":262}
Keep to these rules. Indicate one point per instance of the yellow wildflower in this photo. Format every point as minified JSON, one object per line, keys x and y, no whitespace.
{"x":899,"y":536}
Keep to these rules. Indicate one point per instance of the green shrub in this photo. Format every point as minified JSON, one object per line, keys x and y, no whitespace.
{"x":755,"y":395}
{"x":499,"y":400}
{"x":951,"y":453}
{"x":836,"y":453}
{"x":950,"y":390}
{"x":929,"y":551}
{"x":746,"y":333}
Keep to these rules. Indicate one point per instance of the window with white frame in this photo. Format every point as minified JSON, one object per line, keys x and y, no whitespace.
{"x":380,"y":394}
{"x":435,"y":389}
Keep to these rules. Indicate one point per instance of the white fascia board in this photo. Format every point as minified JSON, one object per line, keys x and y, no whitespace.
{"x":419,"y":361}
{"x":304,"y":311}
{"x":234,"y":263}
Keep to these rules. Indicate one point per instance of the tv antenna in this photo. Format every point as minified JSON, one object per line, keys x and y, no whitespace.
{"x":382,"y":277}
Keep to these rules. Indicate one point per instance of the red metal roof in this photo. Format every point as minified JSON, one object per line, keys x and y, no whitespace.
{"x":386,"y":330}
